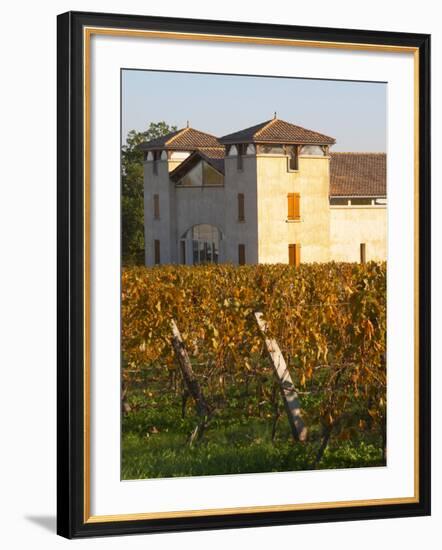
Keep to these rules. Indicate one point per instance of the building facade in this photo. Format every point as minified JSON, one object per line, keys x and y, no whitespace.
{"x":272,"y":193}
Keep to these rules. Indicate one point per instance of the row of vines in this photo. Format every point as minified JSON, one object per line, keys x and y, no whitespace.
{"x":328,"y":319}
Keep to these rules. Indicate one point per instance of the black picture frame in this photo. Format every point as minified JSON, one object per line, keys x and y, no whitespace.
{"x":72,"y":521}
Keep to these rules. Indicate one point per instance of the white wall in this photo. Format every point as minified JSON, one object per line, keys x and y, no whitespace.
{"x":162,"y":228}
{"x":27,"y":225}
{"x":352,"y":225}
{"x":245,"y":232}
{"x":312,"y":231}
{"x":180,"y":208}
{"x":199,"y":205}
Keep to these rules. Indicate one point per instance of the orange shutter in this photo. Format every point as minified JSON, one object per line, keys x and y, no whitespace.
{"x":295,"y":254}
{"x":296,"y":206}
{"x":291,"y":254}
{"x":293,"y":206}
{"x":290,"y":206}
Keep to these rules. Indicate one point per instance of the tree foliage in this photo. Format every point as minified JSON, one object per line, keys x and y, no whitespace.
{"x":132,"y":206}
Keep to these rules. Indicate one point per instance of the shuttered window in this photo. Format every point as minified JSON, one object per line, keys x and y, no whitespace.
{"x":241,"y":254}
{"x":156,"y":207}
{"x":157,"y":251}
{"x":294,"y":254}
{"x":363,"y":253}
{"x":293,"y":206}
{"x":241,"y":216}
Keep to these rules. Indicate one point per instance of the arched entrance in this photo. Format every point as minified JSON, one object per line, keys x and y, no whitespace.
{"x":200,"y":245}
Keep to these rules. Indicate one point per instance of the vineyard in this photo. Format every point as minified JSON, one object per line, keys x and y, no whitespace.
{"x":329,"y":321}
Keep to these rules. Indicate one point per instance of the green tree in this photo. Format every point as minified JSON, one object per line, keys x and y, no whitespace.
{"x":132,"y":207}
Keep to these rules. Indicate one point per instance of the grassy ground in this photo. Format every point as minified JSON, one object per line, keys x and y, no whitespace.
{"x":155,"y":442}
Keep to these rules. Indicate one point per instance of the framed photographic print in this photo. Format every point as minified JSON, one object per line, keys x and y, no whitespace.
{"x":243,"y":274}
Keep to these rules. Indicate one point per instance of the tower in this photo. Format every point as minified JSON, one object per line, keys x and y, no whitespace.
{"x":281,"y":172}
{"x":163,"y":219}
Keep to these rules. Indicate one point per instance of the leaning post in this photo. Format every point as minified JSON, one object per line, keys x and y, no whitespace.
{"x":190,"y":380}
{"x":287,"y":389}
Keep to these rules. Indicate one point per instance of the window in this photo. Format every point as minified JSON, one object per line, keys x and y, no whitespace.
{"x":353,"y":201}
{"x":295,"y":254}
{"x":338,"y":201}
{"x":241,"y":254}
{"x":157,"y":251}
{"x":293,"y":158}
{"x":363,"y":253}
{"x":361,"y":201}
{"x":156,"y":207}
{"x":271,"y":150}
{"x":211,"y":176}
{"x":293,"y":206}
{"x":202,"y":175}
{"x":241,"y":216}
{"x":155,"y":162}
{"x":314,"y":150}
{"x":205,"y":243}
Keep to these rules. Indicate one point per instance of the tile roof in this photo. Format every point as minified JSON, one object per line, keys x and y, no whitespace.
{"x":351,"y":174}
{"x":277,"y":131}
{"x":358,"y":174}
{"x":185,"y":139}
{"x":213,"y":152}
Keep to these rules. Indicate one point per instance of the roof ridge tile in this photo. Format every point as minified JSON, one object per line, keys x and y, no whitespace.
{"x":178,"y":133}
{"x":265,"y":127}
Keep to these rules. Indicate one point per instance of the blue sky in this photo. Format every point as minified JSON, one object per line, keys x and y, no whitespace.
{"x":352,"y":112}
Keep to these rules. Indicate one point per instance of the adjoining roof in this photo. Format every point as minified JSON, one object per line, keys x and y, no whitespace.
{"x":277,"y":131}
{"x":185,"y":139}
{"x":358,"y":175}
{"x":213,"y":152}
{"x":211,"y":156}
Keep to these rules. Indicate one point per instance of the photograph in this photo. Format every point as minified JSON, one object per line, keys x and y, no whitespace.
{"x":243,"y":267}
{"x":253,"y":274}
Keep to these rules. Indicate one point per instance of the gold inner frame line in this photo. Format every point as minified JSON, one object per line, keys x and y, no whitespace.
{"x":87,"y":34}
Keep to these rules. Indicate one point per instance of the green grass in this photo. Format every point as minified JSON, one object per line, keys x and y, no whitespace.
{"x":155,"y":442}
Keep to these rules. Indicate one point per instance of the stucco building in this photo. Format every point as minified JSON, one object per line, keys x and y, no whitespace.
{"x":272,"y":193}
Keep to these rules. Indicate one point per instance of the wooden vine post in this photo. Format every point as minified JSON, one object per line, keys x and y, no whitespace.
{"x":287,"y":389}
{"x":190,"y":381}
